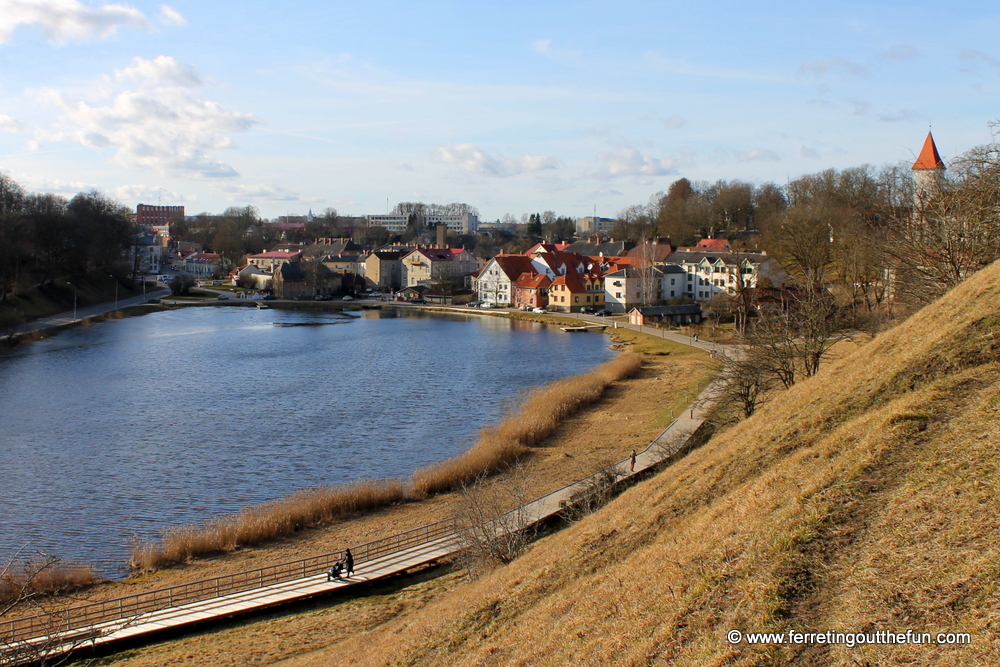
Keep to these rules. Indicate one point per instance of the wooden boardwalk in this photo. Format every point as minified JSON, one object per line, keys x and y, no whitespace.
{"x":104,"y":623}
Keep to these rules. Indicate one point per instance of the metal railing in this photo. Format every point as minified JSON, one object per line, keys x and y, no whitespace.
{"x":30,"y":627}
{"x":89,"y":615}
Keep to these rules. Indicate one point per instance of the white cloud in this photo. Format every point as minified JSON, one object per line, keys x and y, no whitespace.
{"x":64,"y":21}
{"x":170,"y":16}
{"x":160,"y":127}
{"x":758,"y":154}
{"x":476,"y":161}
{"x":147,"y":194}
{"x":860,"y":107}
{"x":819,"y":68}
{"x":544,"y":47}
{"x":262,"y":191}
{"x":628,"y":161}
{"x":978,"y":56}
{"x":160,"y":70}
{"x":900,"y":52}
{"x":8,"y":124}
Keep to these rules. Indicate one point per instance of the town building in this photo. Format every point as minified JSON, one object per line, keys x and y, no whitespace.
{"x":531,"y":290}
{"x":593,"y":226}
{"x":425,"y":264}
{"x":711,"y":273}
{"x":270,"y":261}
{"x":384,"y":268}
{"x":464,"y":223}
{"x":157,"y":216}
{"x":573,"y":291}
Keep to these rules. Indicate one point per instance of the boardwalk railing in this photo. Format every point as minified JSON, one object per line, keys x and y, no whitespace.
{"x":666,"y":447}
{"x":30,"y":627}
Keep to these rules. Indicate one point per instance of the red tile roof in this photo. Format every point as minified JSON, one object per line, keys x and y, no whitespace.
{"x":533,"y":281}
{"x":513,"y":265}
{"x":929,"y":158}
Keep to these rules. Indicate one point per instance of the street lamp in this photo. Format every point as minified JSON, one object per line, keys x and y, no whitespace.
{"x":116,"y":290}
{"x":74,"y":298}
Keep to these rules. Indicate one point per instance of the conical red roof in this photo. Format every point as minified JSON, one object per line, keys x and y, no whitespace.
{"x":929,"y":158}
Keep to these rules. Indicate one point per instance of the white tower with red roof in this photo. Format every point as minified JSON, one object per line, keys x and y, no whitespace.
{"x":928,"y":172}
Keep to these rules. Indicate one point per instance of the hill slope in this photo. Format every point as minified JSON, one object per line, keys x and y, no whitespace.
{"x":863,"y":499}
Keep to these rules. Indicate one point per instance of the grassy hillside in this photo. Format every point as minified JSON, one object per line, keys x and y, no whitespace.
{"x":863,"y":499}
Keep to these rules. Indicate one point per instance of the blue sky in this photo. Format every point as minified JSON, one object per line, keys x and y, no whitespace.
{"x":511,"y":107}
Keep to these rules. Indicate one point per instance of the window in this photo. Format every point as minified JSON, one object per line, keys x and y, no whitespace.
{"x":618,"y":295}
{"x":671,"y":281}
{"x":671,"y":292}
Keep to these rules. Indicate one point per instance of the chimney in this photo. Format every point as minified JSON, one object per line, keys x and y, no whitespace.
{"x":442,"y":230}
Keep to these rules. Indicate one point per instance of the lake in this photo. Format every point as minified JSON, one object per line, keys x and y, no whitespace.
{"x":127,"y":427}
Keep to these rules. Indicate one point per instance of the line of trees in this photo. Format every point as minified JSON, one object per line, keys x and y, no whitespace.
{"x":44,"y":236}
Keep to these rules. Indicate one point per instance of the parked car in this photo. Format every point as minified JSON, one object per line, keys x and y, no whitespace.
{"x":540,"y":311}
{"x":269,"y":297}
{"x":418,"y":299}
{"x":586,"y":309}
{"x":348,"y":297}
{"x":603,"y":313}
{"x":474,"y":304}
{"x":486,"y":305}
{"x":374,"y":295}
{"x":223,"y":297}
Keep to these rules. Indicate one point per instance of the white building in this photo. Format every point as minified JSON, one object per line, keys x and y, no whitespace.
{"x":711,"y":273}
{"x":466,"y":223}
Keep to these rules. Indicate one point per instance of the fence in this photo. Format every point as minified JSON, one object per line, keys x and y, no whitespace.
{"x":89,"y":615}
{"x":30,"y":627}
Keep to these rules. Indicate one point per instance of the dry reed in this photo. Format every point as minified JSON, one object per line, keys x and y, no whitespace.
{"x":499,"y":446}
{"x":266,"y":522}
{"x":43,"y":576}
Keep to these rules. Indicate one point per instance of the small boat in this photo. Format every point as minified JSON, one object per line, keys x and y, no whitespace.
{"x":263,"y":306}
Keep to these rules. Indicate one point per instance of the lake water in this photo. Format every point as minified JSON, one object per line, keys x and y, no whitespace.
{"x":125,"y":428}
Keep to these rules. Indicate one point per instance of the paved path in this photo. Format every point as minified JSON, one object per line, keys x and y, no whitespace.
{"x":81,"y":313}
{"x":664,"y":448}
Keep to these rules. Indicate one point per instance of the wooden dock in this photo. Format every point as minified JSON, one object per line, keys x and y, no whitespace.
{"x":584,"y":327}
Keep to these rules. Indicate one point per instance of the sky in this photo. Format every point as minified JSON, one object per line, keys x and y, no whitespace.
{"x":514,"y":107}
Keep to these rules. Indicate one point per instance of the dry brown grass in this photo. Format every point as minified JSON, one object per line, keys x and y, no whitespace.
{"x":497,"y":447}
{"x":43,"y":576}
{"x":266,"y":522}
{"x":863,"y":499}
{"x":540,"y":414}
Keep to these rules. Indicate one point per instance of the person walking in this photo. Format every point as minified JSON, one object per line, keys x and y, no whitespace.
{"x":349,"y":559}
{"x":631,"y":462}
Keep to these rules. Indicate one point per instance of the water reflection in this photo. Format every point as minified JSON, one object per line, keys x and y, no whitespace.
{"x":127,"y":427}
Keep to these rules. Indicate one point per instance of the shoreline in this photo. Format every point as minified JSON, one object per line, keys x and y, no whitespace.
{"x":629,"y":414}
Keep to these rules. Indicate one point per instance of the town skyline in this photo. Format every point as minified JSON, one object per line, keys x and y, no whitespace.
{"x":560,"y":106}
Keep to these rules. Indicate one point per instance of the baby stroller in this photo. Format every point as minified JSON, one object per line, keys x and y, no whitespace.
{"x":334,"y":572}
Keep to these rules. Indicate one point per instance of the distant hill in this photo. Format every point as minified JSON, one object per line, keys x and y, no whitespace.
{"x":863,"y":499}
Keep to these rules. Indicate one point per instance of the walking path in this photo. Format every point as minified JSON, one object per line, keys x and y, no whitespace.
{"x":146,"y":614}
{"x":71,"y":316}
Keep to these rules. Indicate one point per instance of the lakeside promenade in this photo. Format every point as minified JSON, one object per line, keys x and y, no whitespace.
{"x":142,"y":617}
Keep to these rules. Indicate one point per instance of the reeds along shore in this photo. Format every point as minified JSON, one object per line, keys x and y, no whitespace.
{"x":497,"y":447}
{"x":22,"y":580}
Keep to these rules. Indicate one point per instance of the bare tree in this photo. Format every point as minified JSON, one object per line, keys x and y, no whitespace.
{"x":745,"y":381}
{"x":33,"y":626}
{"x":952,"y":231}
{"x":493,"y":521}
